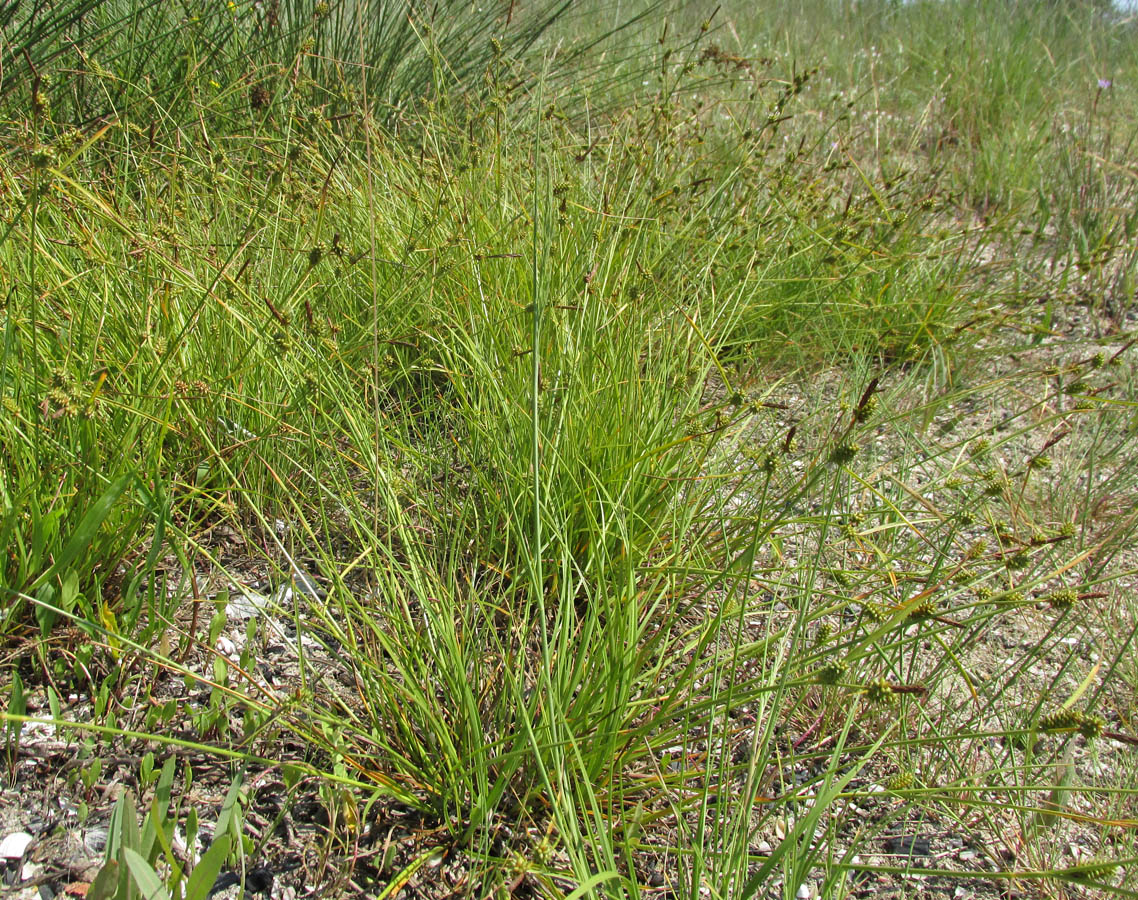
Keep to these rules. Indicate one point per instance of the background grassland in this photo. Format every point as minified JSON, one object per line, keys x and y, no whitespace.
{"x":712,"y":437}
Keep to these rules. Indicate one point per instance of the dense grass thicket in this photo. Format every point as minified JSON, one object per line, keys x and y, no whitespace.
{"x":675,"y":448}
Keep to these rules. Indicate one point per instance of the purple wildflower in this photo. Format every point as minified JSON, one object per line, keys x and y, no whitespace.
{"x":1105,"y":84}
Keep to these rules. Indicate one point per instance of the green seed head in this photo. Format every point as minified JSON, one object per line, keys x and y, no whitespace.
{"x":831,"y":672}
{"x":68,"y":141}
{"x":866,"y":410}
{"x":879,"y":692}
{"x":978,"y":549}
{"x":1091,"y":726}
{"x":1060,"y":720}
{"x":900,"y":782}
{"x":964,"y":576}
{"x":60,"y":378}
{"x":874,"y":613}
{"x":844,"y":453}
{"x":1093,"y":871}
{"x":1017,"y":561}
{"x":43,"y":158}
{"x":1063,"y":599}
{"x":926,"y":609}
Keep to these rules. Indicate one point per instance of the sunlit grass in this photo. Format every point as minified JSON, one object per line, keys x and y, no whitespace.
{"x":697,"y":448}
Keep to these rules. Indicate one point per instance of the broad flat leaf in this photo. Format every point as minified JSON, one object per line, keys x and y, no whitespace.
{"x":45,"y":607}
{"x":205,"y":873}
{"x":230,"y":809}
{"x":105,"y":881}
{"x":69,"y":591}
{"x":85,"y":531}
{"x":145,"y":877}
{"x":17,"y":706}
{"x":165,"y":783}
{"x":120,"y":812}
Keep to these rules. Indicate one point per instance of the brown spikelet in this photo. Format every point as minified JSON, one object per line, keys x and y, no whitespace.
{"x":259,"y":97}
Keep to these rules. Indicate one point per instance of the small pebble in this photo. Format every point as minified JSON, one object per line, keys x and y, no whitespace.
{"x":803,"y":892}
{"x":307,"y":586}
{"x":225,"y":646}
{"x":763,"y":847}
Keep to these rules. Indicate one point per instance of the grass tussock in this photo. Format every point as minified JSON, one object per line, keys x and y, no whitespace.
{"x":620,"y":451}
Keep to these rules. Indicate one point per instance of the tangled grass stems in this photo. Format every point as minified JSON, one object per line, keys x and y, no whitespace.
{"x":636,"y":484}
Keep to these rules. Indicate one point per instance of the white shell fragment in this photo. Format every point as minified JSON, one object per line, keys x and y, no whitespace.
{"x":14,"y":845}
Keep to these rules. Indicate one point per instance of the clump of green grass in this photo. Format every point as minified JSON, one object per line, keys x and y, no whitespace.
{"x":624,"y":579}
